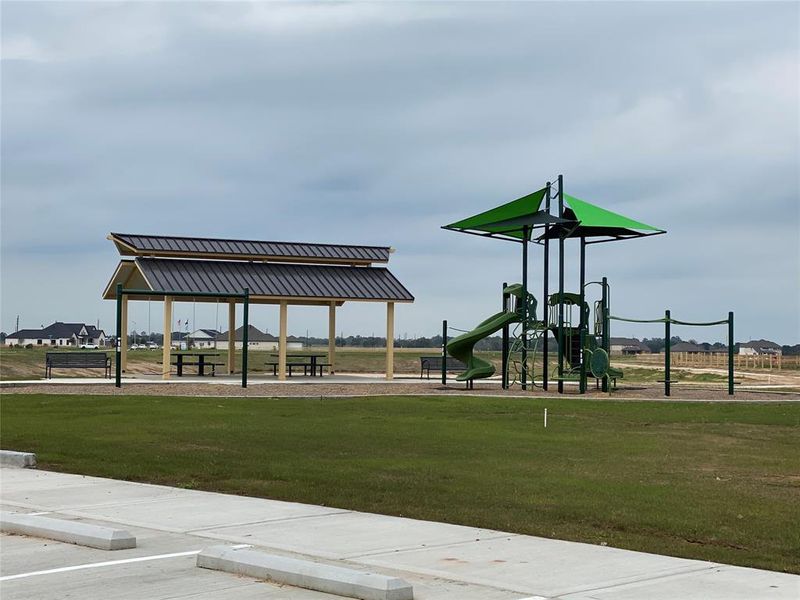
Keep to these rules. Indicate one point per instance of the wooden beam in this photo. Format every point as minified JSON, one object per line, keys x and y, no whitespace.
{"x":123,"y":357}
{"x":166,"y":351}
{"x":332,"y":337}
{"x":231,"y":336}
{"x":291,"y":301}
{"x":282,"y":341}
{"x":390,"y":340}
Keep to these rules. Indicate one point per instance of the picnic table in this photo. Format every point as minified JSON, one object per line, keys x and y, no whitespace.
{"x":308,"y":360}
{"x":201,"y":363}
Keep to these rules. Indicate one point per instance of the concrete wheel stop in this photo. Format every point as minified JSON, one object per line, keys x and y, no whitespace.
{"x":305,"y":574}
{"x":11,"y":458}
{"x":62,"y":530}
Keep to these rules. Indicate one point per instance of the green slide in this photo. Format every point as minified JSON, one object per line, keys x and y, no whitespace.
{"x":461,"y":347}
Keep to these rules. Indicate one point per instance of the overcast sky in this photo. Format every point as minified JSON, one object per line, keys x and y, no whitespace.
{"x":376,"y":123}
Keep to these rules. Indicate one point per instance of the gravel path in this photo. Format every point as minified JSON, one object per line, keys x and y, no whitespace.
{"x":328,"y":389}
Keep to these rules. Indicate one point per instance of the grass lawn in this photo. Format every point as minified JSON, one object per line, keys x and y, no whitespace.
{"x":710,"y":481}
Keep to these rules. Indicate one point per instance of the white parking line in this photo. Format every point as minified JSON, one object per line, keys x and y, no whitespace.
{"x":108,"y":563}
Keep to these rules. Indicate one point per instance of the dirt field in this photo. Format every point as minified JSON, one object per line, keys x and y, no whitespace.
{"x":330,"y":389}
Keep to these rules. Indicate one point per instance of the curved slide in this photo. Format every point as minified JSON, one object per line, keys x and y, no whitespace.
{"x":461,"y":347}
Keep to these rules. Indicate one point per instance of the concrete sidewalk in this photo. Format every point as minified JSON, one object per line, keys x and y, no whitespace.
{"x":439,"y":560}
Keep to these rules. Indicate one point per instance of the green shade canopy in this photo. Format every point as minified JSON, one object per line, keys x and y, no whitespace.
{"x":595,"y":222}
{"x":508,"y":220}
{"x":593,"y":216}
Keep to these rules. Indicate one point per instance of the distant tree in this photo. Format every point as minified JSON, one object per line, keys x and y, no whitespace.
{"x":655,"y":345}
{"x":791,"y":350}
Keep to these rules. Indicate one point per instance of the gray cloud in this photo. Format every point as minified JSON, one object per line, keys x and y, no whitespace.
{"x":377,"y":123}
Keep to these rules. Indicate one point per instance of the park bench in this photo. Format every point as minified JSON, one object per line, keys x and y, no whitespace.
{"x":426,"y":363}
{"x":76,"y":360}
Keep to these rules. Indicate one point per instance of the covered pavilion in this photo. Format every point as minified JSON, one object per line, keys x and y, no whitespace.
{"x":163,"y":268}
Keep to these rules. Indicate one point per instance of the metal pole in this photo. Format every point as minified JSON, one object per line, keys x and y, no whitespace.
{"x":730,"y":353}
{"x":606,"y":339}
{"x":118,"y":350}
{"x":245,"y":327}
{"x":524,"y":374}
{"x":504,"y":346}
{"x":546,"y":292}
{"x":583,"y":323}
{"x":444,"y":352}
{"x":666,"y":352}
{"x":561,"y":349}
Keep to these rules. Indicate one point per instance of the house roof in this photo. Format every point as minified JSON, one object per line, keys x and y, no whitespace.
{"x":686,"y":347}
{"x":211,"y":333}
{"x":253,"y":335}
{"x":24,"y":334}
{"x":218,"y":248}
{"x":57,"y":330}
{"x":621,"y":341}
{"x":759,"y":344}
{"x":689,"y":347}
{"x":268,"y":283}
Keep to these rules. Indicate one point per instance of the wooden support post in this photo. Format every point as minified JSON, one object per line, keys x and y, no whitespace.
{"x":124,"y":338}
{"x":282,"y":340}
{"x":165,"y":355}
{"x":667,"y":344}
{"x":231,"y":336}
{"x":390,"y":340}
{"x":332,"y":337}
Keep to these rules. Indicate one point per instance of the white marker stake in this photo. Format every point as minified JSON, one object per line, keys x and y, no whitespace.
{"x":545,"y":418}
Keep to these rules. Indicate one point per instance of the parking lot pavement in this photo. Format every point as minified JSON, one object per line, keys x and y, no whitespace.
{"x":46,"y":570}
{"x":439,"y":560}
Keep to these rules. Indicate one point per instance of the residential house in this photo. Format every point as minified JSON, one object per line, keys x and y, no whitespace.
{"x":256,"y":340}
{"x":203,"y":338}
{"x":690,"y":348}
{"x":58,"y":334}
{"x":179,"y":340}
{"x":754,"y":347}
{"x":629,"y":346}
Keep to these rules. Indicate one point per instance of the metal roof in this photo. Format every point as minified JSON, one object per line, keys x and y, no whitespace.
{"x":193,"y":247}
{"x":254,"y":334}
{"x":269,"y":281}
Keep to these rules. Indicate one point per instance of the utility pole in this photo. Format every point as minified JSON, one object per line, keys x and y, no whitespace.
{"x":17,"y":329}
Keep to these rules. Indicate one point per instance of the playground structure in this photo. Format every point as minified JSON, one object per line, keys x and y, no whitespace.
{"x":581,"y":353}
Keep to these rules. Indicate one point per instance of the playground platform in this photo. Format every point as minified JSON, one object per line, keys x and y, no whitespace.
{"x":440,"y":560}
